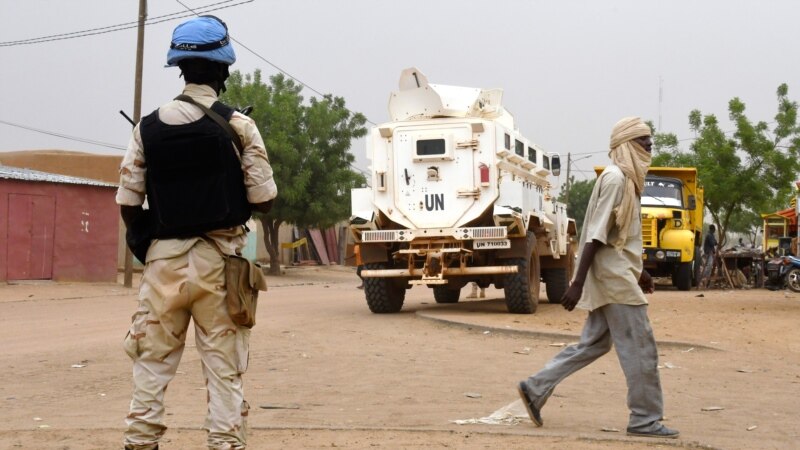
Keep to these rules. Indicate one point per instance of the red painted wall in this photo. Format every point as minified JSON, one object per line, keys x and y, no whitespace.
{"x":85,"y":238}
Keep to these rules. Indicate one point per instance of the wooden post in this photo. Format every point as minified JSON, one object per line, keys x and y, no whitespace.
{"x":137,"y":112}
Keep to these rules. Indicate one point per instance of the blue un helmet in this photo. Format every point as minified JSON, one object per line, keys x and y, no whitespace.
{"x":204,"y":37}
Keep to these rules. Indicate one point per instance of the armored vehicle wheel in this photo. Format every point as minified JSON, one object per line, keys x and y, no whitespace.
{"x":557,"y":280}
{"x":793,"y":280}
{"x":522,"y":288}
{"x":444,"y":294}
{"x":683,"y":276}
{"x":384,"y":295}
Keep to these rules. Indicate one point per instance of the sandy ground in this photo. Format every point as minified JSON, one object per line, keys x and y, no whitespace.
{"x":325,"y":372}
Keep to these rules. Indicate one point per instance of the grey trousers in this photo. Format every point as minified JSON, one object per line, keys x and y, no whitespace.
{"x":628,"y":328}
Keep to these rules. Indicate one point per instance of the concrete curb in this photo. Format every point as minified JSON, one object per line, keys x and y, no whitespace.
{"x":431,"y":315}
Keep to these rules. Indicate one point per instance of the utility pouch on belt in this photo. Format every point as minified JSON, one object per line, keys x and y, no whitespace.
{"x":243,"y":280}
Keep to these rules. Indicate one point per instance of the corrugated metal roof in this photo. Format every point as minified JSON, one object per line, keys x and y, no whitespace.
{"x":15,"y":173}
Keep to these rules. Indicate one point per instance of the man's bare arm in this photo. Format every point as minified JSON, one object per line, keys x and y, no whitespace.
{"x":573,"y":294}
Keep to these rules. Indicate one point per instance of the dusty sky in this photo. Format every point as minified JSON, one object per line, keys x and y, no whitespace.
{"x":570,"y":69}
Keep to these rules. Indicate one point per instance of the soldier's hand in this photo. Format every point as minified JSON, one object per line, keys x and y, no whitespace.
{"x":571,"y":297}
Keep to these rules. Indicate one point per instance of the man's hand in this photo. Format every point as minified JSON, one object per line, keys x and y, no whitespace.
{"x":571,"y":297}
{"x":573,"y":294}
{"x":646,"y":283}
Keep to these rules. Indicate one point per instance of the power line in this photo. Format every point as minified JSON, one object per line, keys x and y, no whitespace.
{"x":257,"y":55}
{"x":64,"y":136}
{"x":119,"y":27}
{"x":150,"y":21}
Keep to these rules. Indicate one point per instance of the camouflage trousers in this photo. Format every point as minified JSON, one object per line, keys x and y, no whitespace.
{"x":173,"y":291}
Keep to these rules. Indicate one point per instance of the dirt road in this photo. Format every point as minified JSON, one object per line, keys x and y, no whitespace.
{"x":325,"y":372}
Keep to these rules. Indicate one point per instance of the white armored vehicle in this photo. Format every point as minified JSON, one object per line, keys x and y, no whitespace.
{"x":458,"y":195}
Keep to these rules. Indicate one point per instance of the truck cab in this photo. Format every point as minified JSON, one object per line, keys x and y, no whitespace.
{"x":672,"y":224}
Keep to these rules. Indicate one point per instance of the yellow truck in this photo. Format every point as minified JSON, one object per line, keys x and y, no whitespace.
{"x":672,"y":224}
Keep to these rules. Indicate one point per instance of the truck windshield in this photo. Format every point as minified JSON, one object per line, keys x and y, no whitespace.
{"x":659,"y":192}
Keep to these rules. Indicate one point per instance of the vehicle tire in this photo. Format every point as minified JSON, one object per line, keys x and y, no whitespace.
{"x":683,"y":276}
{"x":793,"y":280}
{"x":522,"y":288}
{"x":556,"y":281}
{"x":697,"y":266}
{"x":384,"y":295}
{"x":444,"y":294}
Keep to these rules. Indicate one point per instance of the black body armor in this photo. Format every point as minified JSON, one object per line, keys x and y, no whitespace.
{"x":194,"y":178}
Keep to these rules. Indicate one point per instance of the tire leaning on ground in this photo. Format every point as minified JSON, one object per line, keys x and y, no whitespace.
{"x":683,"y":276}
{"x":443,"y":294}
{"x":384,"y":295}
{"x":522,"y":288}
{"x":793,"y":280}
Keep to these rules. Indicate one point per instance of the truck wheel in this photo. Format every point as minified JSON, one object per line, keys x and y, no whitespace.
{"x":384,"y":295}
{"x":683,"y":276}
{"x":522,"y":288}
{"x":443,"y":294}
{"x":793,"y":280}
{"x":556,"y":281}
{"x":696,"y":267}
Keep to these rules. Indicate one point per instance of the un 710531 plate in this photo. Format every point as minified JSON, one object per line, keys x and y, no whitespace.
{"x":491,"y":244}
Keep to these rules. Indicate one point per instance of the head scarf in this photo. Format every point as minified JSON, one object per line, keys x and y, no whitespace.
{"x":634,"y":161}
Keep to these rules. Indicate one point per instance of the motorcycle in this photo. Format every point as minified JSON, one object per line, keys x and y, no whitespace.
{"x":783,"y":272}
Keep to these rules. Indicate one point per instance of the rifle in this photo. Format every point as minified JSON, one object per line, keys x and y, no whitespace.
{"x":133,"y":124}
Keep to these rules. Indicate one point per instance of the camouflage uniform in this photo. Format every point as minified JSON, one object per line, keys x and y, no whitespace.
{"x":183,"y":279}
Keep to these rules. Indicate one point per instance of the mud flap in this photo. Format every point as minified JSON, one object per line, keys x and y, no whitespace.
{"x":373,"y":253}
{"x":520,"y":247}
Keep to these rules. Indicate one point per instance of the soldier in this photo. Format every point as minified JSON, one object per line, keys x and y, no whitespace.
{"x":610,"y":283}
{"x":201,"y":190}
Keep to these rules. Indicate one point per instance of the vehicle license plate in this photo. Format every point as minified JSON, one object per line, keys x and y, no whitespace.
{"x":491,"y":244}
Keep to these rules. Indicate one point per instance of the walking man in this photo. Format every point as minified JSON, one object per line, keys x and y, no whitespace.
{"x":709,"y":251}
{"x":201,"y":188}
{"x":610,"y":283}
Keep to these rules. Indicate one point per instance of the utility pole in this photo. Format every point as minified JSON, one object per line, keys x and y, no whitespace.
{"x":566,"y":194}
{"x":660,"y":99}
{"x":137,"y":112}
{"x":569,"y":181}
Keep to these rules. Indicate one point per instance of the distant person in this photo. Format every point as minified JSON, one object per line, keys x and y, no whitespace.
{"x":610,"y":283}
{"x":358,"y":272}
{"x":201,"y":189}
{"x":359,"y":265}
{"x":474,"y":292}
{"x":709,"y":250}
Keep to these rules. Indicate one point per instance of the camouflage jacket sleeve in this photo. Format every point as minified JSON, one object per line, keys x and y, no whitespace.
{"x":255,"y":163}
{"x":132,"y":171}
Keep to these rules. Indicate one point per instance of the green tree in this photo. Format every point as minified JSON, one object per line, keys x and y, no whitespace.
{"x":578,"y":199}
{"x":748,"y":172}
{"x":309,"y":150}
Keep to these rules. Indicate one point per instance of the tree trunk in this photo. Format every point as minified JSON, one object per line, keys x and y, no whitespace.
{"x":272,"y":243}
